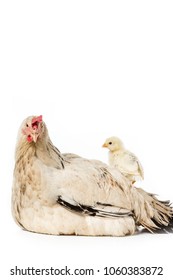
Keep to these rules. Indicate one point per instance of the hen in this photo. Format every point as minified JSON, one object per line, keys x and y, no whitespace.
{"x":66,"y":194}
{"x":125,"y":161}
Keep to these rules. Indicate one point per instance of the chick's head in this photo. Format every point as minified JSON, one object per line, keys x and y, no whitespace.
{"x":113,"y":144}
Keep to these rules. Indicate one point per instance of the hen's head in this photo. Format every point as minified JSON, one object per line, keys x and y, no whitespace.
{"x":32,"y":129}
{"x":113,"y":144}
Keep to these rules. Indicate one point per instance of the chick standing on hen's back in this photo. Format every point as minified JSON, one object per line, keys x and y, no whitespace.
{"x":126,"y":162}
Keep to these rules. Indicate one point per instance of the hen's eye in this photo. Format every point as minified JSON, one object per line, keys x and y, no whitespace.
{"x":110,"y":143}
{"x":27,"y":125}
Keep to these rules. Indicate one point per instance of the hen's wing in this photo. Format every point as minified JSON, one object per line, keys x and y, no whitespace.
{"x":100,"y":210}
{"x":91,"y":187}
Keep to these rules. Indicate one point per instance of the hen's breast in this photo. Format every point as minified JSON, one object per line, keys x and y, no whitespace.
{"x":26,"y":186}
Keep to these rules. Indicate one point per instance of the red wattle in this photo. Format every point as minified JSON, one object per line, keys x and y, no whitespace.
{"x":29,"y":138}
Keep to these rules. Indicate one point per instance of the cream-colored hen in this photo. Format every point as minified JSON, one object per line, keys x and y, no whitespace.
{"x":67,"y":194}
{"x":126,"y":162}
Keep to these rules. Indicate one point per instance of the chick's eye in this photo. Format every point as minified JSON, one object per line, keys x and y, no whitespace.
{"x":110,"y":143}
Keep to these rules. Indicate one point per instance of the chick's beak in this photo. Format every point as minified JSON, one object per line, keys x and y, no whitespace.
{"x":104,"y":145}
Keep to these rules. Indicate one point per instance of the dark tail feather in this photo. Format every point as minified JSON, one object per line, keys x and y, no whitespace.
{"x":164,"y":228}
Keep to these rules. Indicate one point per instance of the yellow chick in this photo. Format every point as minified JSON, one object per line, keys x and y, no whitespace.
{"x":125,"y":161}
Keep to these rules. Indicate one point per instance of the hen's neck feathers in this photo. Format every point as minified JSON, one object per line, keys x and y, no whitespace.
{"x":43,"y":149}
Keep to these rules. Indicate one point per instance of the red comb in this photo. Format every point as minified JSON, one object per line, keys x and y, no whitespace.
{"x":37,"y":119}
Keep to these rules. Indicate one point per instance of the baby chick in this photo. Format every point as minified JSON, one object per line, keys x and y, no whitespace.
{"x":125,"y":161}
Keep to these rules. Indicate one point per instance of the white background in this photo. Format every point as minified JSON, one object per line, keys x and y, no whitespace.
{"x":93,"y":69}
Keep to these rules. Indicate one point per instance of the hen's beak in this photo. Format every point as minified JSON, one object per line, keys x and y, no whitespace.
{"x":35,"y":136}
{"x":104,"y":145}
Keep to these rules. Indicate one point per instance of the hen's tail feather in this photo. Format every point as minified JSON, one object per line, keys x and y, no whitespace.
{"x":162,"y":213}
{"x":165,"y":228}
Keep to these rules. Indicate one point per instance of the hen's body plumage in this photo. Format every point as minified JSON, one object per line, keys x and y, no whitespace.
{"x":58,"y":193}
